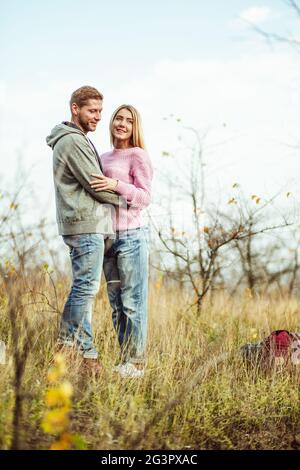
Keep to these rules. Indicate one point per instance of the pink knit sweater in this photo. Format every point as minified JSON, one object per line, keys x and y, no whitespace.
{"x":132,"y":167}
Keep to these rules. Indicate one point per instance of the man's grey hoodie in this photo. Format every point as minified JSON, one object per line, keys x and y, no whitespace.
{"x":79,"y":208}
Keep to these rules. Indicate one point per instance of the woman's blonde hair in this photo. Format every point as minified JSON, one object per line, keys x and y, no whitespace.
{"x":137,"y":138}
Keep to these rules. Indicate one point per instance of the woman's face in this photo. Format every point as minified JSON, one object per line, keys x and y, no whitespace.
{"x":122,"y":126}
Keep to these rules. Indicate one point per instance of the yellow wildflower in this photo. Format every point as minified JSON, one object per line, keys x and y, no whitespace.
{"x":55,"y":421}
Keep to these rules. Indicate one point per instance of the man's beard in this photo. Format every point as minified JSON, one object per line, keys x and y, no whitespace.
{"x":83,"y":124}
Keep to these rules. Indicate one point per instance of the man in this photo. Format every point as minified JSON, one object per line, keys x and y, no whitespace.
{"x":83,"y":217}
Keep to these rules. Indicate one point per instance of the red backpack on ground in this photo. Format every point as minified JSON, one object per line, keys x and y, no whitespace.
{"x":278,"y":343}
{"x":280,"y":346}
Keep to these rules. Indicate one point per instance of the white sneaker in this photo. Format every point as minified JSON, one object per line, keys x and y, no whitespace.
{"x":129,"y":370}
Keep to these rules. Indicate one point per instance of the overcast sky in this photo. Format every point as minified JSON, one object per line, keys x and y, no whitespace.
{"x":197,"y":60}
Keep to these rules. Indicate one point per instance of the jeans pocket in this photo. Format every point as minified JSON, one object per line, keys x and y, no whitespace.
{"x":71,"y":240}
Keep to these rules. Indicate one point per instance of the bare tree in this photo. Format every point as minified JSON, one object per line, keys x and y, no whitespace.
{"x":198,"y":256}
{"x":276,"y":37}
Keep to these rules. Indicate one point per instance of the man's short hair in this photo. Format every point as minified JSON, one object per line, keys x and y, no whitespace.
{"x":83,"y":94}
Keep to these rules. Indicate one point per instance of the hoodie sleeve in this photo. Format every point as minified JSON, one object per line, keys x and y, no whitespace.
{"x":82,"y":162}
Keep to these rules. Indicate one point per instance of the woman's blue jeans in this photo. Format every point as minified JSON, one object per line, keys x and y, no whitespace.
{"x":126,"y":272}
{"x":86,"y":252}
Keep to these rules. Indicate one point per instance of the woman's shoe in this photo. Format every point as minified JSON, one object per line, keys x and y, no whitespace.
{"x":129,"y":370}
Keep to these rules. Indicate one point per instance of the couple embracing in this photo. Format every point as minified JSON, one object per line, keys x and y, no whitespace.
{"x":99,"y":200}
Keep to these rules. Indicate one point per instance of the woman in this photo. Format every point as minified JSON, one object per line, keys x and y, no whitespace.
{"x":128,"y":172}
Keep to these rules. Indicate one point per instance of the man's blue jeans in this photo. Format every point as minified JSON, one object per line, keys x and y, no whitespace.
{"x":86,"y":251}
{"x":126,"y":272}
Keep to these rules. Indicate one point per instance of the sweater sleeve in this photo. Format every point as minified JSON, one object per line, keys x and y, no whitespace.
{"x":138,"y":194}
{"x":82,"y":163}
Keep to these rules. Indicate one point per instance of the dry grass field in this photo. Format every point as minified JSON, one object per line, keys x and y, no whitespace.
{"x":196,"y":393}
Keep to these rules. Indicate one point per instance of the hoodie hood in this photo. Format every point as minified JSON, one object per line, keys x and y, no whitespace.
{"x":60,"y":131}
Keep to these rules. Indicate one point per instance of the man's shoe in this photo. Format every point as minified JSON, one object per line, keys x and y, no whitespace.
{"x":129,"y":370}
{"x":92,"y":365}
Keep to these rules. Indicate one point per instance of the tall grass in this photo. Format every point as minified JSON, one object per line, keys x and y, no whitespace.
{"x":196,"y":392}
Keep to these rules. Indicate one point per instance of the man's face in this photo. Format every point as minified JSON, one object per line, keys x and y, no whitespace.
{"x":88,"y":116}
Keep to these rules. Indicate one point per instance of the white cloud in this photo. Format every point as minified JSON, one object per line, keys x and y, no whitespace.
{"x":256,"y":14}
{"x":253,"y":15}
